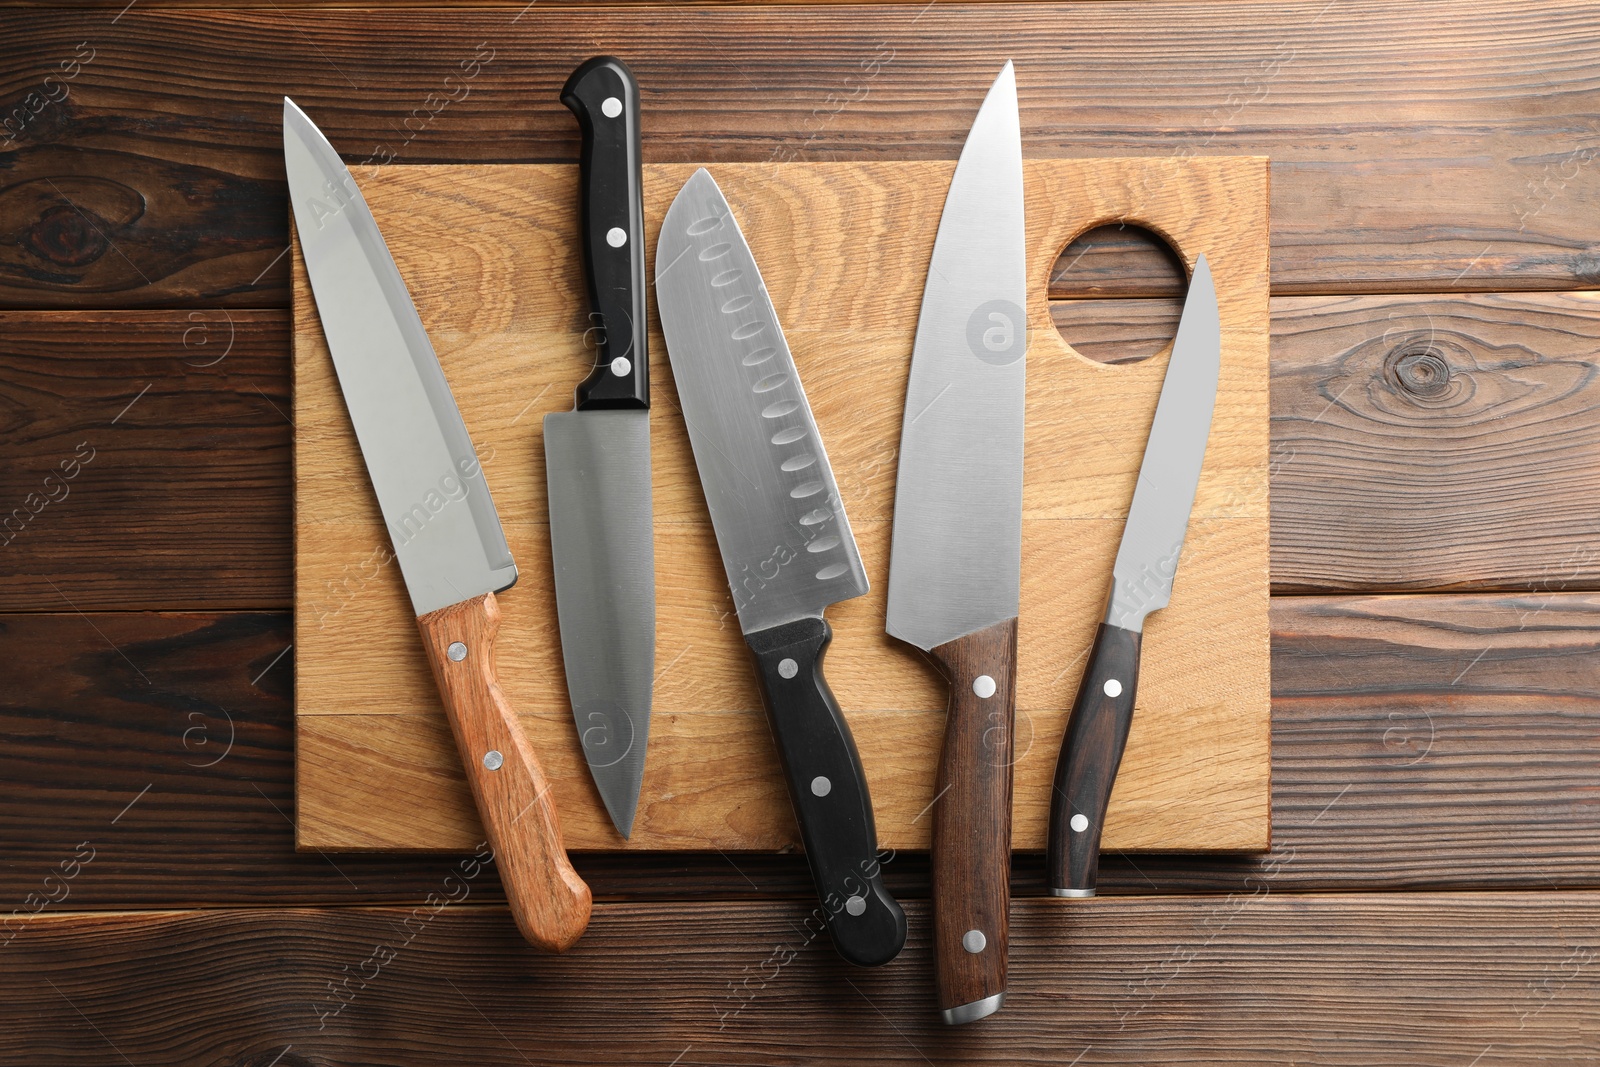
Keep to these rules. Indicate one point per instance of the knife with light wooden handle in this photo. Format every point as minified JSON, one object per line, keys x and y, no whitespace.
{"x":445,"y":530}
{"x":1142,"y":579}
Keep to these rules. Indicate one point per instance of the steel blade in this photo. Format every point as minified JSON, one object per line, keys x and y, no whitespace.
{"x":781,"y":527}
{"x":421,"y":462}
{"x":956,"y":563}
{"x":1169,"y":474}
{"x":597,"y":466}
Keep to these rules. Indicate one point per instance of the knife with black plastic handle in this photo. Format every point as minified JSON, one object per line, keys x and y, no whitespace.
{"x":785,"y":541}
{"x":597,"y":457}
{"x":1142,"y":580}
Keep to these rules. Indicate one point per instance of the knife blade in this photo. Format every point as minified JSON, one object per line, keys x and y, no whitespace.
{"x":956,"y":561}
{"x":785,"y":542}
{"x":443,"y":524}
{"x":597,"y":456}
{"x":1142,"y":578}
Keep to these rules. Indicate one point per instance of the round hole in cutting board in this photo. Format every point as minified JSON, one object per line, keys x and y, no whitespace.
{"x":1116,"y":293}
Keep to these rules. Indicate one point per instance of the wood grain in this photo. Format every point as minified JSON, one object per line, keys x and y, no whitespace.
{"x":176,"y":426}
{"x":548,"y":900}
{"x":1419,"y":742}
{"x":971,"y":810}
{"x":1350,"y":980}
{"x":1413,"y":150}
{"x":1196,"y":777}
{"x":1488,"y":402}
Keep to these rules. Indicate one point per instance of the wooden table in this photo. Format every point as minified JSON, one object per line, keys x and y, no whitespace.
{"x":1436,"y":542}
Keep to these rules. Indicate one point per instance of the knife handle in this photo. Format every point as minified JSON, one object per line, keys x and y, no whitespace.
{"x":548,"y":900}
{"x":972,"y":823}
{"x":828,"y":790}
{"x":1090,"y":754}
{"x":605,"y":98}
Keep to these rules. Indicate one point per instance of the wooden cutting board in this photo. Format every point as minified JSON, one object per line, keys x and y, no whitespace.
{"x":491,"y":257}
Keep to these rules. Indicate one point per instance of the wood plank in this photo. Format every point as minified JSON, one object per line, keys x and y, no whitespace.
{"x":1423,"y":742}
{"x":1414,"y":150}
{"x":147,"y":460}
{"x":1423,"y":443}
{"x":1433,"y":980}
{"x":1195,"y":774}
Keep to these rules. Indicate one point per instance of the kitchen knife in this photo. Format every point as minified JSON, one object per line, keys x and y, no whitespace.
{"x":1147,"y":562}
{"x":956,"y":562}
{"x":597,"y":456}
{"x":443,"y":525}
{"x":785,"y":541}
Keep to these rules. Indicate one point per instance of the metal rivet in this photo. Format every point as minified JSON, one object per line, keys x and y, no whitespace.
{"x":983,"y":685}
{"x":1080,"y":823}
{"x":620,"y":366}
{"x":974,"y":941}
{"x":856,"y":905}
{"x":493,"y":760}
{"x":611,"y":107}
{"x":1113,"y":688}
{"x":616,"y":237}
{"x":821,"y":786}
{"x":788,"y":668}
{"x":457,"y":651}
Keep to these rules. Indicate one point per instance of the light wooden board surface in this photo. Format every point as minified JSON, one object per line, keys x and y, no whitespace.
{"x":491,"y":259}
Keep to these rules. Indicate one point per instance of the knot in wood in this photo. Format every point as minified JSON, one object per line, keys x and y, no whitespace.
{"x":67,"y":237}
{"x":1419,"y":369}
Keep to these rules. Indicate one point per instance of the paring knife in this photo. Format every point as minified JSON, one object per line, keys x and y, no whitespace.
{"x":956,"y":563}
{"x":443,"y":525}
{"x":597,"y":456}
{"x":785,"y":541}
{"x":1147,"y":562}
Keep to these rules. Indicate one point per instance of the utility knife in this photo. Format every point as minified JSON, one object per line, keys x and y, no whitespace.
{"x":785,"y":542}
{"x":597,"y":456}
{"x":956,"y":561}
{"x":443,"y":525}
{"x":1142,"y":577}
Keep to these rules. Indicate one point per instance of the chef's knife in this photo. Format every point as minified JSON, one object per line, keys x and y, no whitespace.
{"x":785,"y":541}
{"x":956,"y":563}
{"x":1142,"y":577}
{"x":446,"y":533}
{"x":597,"y":456}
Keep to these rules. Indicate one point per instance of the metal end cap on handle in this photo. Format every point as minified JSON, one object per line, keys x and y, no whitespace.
{"x":969,"y":1013}
{"x":1072,"y":892}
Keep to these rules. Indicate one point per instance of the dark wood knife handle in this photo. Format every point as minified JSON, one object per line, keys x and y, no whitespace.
{"x":1090,"y":754}
{"x":972,"y":823}
{"x":549,"y":902}
{"x":828,"y":790}
{"x":605,"y":98}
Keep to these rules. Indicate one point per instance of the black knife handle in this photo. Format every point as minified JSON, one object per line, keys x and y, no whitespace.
{"x":828,"y":790}
{"x":1090,"y":754}
{"x":604,"y":96}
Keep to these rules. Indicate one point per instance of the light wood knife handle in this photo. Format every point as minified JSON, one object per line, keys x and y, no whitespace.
{"x":972,"y":823}
{"x":548,"y":900}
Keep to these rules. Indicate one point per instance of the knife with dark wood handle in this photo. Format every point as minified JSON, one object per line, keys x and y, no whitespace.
{"x":956,"y":564}
{"x":1142,"y":583}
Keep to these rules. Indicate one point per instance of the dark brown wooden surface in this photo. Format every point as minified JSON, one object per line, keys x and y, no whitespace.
{"x":1253,"y":978}
{"x":1414,"y":148}
{"x":1435,"y":184}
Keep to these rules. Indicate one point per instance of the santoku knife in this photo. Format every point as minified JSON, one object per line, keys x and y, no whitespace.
{"x":597,"y":456}
{"x":785,"y":541}
{"x":446,"y":533}
{"x":955,"y":567}
{"x":1142,"y":577}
